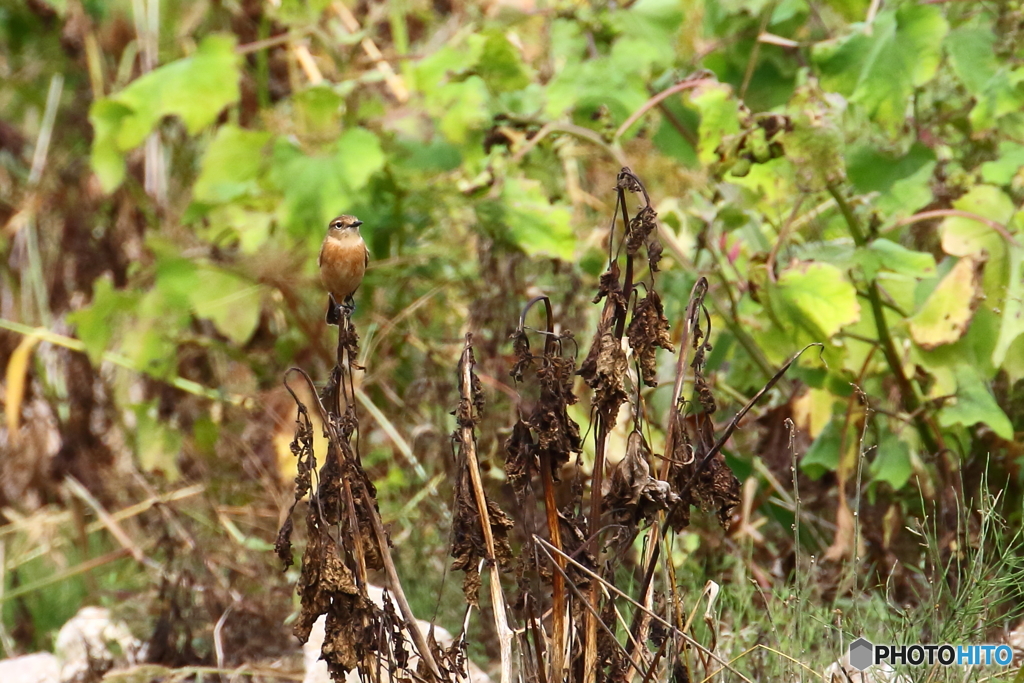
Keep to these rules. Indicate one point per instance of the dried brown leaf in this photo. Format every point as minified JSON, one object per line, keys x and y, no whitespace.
{"x":631,"y":494}
{"x":647,"y":331}
{"x":520,"y":459}
{"x":609,"y":284}
{"x":604,"y":369}
{"x":640,"y":229}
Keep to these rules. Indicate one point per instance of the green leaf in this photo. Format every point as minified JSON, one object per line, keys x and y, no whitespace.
{"x":157,"y":444}
{"x":444,"y":66}
{"x":253,"y":227}
{"x":1003,"y":95}
{"x":231,"y":166}
{"x":905,"y":54}
{"x":815,"y":144}
{"x":972,"y":56}
{"x":319,"y":109}
{"x":975,"y":403}
{"x":840,"y":61}
{"x":901,"y":52}
{"x":719,"y":117}
{"x":359,"y":157}
{"x":97,"y":323}
{"x":903,"y":182}
{"x":948,"y":311}
{"x":586,"y":85}
{"x":462,"y":107}
{"x":650,"y":29}
{"x":195,"y":89}
{"x":151,"y":343}
{"x":1003,"y":170}
{"x":892,"y":463}
{"x":318,"y":187}
{"x":1011,"y":308}
{"x":539,"y":228}
{"x":230,"y":302}
{"x":823,"y":454}
{"x":898,"y":259}
{"x":500,"y":65}
{"x":815,"y":297}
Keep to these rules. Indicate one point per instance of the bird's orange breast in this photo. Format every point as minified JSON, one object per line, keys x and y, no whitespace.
{"x":342,"y":266}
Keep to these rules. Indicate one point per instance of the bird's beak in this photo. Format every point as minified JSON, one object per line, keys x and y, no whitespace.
{"x":357,"y":224}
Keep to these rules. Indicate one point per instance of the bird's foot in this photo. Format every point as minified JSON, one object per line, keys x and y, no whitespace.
{"x":333,"y":311}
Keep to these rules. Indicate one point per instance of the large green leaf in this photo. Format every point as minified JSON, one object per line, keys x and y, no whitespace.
{"x":97,"y":323}
{"x":815,"y":297}
{"x":1002,"y":171}
{"x":594,"y":83}
{"x":231,"y":166}
{"x":892,"y":462}
{"x":902,"y":182}
{"x":195,"y":89}
{"x":884,"y":64}
{"x":500,"y":64}
{"x":1003,"y":95}
{"x":888,"y":255}
{"x":540,"y":228}
{"x":230,"y":302}
{"x":971,"y":53}
{"x":823,"y":454}
{"x":975,"y":403}
{"x":318,"y":187}
{"x":649,"y":30}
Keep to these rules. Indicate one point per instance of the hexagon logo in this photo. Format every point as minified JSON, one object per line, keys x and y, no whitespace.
{"x":861,"y":654}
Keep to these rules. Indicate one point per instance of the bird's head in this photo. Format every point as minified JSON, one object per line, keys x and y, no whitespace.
{"x":342,"y":224}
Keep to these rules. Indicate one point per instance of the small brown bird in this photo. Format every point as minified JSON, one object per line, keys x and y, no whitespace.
{"x":343,"y":260}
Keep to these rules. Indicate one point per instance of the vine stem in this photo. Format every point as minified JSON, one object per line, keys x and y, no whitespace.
{"x":656,"y":100}
{"x":957,"y":213}
{"x":911,"y":402}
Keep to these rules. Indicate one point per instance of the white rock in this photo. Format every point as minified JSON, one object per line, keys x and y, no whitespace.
{"x":842,"y":672}
{"x":41,"y":667}
{"x":91,"y":644}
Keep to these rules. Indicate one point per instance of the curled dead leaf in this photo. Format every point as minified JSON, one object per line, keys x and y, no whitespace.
{"x":647,"y":331}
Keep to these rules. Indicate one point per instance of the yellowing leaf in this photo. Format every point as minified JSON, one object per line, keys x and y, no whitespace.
{"x":945,"y":315}
{"x":970,"y":237}
{"x":813,"y":410}
{"x":17,"y":370}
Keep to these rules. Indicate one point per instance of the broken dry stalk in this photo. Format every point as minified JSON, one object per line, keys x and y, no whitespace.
{"x":467,"y":438}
